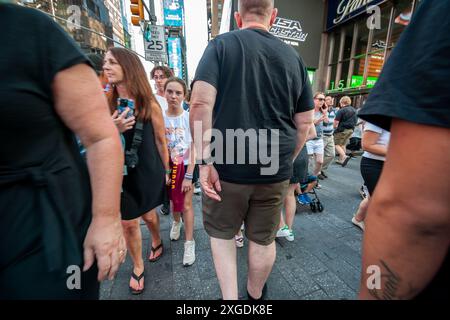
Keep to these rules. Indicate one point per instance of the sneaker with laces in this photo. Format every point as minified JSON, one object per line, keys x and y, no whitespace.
{"x":189,"y":253}
{"x":283,"y":232}
{"x":290,"y":237}
{"x":175,"y":230}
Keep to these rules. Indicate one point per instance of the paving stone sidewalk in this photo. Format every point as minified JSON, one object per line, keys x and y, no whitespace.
{"x":322,"y":263}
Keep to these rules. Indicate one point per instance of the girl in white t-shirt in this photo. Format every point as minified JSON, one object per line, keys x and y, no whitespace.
{"x":182,"y":163}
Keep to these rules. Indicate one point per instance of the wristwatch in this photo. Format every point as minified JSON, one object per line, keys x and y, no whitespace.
{"x":207,"y":162}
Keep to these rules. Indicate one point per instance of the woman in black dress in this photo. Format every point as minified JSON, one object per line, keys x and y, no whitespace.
{"x":49,"y":219}
{"x":144,"y":184}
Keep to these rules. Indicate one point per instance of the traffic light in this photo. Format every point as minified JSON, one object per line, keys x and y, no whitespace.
{"x":137,"y":12}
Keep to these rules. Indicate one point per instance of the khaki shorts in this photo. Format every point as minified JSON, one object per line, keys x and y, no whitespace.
{"x":259,"y":206}
{"x":342,"y":138}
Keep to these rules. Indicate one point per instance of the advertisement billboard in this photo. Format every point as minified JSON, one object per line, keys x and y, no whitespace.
{"x":173,"y":13}
{"x":300,"y":24}
{"x":175,"y":57}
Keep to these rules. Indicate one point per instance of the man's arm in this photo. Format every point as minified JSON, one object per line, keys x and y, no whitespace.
{"x":203,"y":99}
{"x":312,"y":133}
{"x":408,"y":240}
{"x":337,"y":119}
{"x":82,"y":106}
{"x":303,"y":122}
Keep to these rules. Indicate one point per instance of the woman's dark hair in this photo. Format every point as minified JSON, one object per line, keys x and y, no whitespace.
{"x":178,"y":80}
{"x":136,"y":82}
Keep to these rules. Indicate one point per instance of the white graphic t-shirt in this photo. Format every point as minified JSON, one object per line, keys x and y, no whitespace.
{"x":178,"y":136}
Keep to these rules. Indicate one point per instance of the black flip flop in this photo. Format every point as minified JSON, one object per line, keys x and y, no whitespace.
{"x":138,"y":279}
{"x":346,"y":161}
{"x":154,"y":252}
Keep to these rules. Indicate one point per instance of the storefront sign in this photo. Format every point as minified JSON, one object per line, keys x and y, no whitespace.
{"x":175,"y":57}
{"x":357,"y":81}
{"x":173,"y":13}
{"x":300,"y":25}
{"x":340,"y":11}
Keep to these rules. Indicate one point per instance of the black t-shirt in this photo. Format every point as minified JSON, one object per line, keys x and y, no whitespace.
{"x":414,"y":86}
{"x":347,"y":118}
{"x":33,"y":49}
{"x":261,"y":84}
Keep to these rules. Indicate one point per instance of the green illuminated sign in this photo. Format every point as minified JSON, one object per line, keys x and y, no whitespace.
{"x":357,"y":81}
{"x":311,"y":74}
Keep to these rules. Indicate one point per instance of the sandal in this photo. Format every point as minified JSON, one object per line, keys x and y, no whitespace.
{"x":160,"y":246}
{"x":239,"y":241}
{"x":346,"y":161}
{"x":138,"y":279}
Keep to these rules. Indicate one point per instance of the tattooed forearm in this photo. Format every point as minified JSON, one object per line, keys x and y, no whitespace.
{"x":391,"y":281}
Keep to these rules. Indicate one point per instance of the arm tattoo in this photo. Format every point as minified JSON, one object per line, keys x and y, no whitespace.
{"x":392,"y":283}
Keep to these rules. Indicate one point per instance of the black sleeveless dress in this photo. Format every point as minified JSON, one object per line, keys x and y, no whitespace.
{"x":45,"y":197}
{"x":143,"y":186}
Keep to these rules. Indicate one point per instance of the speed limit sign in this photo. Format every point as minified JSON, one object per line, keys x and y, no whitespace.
{"x":155,"y":44}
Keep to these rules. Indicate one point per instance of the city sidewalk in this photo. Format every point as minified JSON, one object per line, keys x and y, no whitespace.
{"x":322,"y":263}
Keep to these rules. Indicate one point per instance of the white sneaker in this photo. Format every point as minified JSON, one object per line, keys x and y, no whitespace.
{"x":290,"y":237}
{"x":359,"y":224}
{"x":175,"y":230}
{"x":189,"y":253}
{"x":283,"y":232}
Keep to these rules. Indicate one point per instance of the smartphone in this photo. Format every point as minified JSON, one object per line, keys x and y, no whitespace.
{"x":122,"y":104}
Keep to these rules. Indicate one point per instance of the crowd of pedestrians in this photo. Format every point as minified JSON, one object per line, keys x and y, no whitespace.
{"x":94,"y":152}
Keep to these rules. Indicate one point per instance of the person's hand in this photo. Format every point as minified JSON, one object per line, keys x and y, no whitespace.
{"x":168,"y":179}
{"x":209,"y":179}
{"x":122,"y":122}
{"x":105,"y":244}
{"x":186,"y":186}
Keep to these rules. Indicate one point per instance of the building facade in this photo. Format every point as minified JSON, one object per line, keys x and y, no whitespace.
{"x":101,"y":21}
{"x":360,"y":36}
{"x":115,"y":16}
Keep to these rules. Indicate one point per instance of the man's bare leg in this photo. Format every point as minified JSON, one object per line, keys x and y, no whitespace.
{"x":341,"y":152}
{"x":224,"y":256}
{"x":290,"y":205}
{"x":260,"y":263}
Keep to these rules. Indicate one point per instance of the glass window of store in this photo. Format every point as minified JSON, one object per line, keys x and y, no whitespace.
{"x":358,"y":53}
{"x":402,"y":17}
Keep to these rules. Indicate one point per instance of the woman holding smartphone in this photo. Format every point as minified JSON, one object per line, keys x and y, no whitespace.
{"x":144,"y":183}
